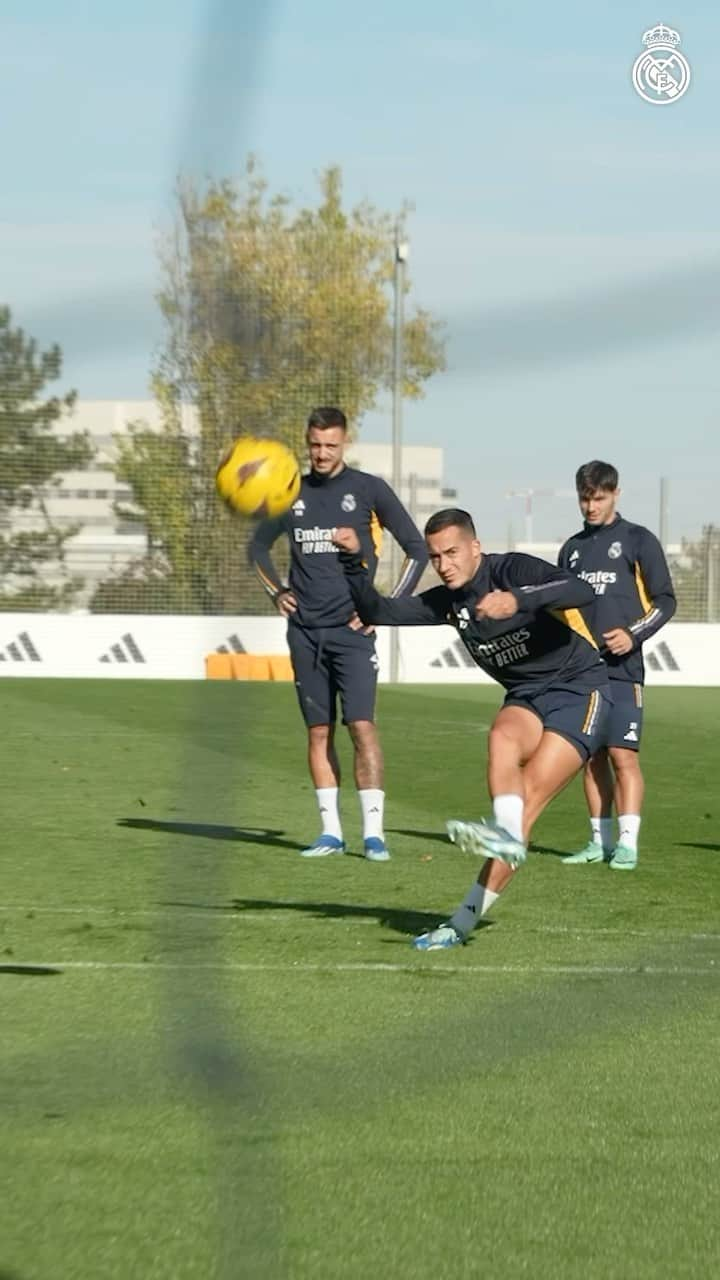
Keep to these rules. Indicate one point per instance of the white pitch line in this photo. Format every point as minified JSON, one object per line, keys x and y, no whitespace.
{"x":289,"y":910}
{"x":372,"y":967}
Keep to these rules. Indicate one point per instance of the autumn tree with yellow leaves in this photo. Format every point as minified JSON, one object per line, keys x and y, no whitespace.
{"x":268,"y":312}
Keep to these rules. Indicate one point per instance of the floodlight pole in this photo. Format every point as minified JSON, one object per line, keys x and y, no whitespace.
{"x":528,"y":495}
{"x":401,"y":257}
{"x":663,"y":523}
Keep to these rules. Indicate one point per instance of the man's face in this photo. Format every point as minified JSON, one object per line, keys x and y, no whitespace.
{"x":598,"y":507}
{"x":454,"y":555}
{"x":326,"y":446}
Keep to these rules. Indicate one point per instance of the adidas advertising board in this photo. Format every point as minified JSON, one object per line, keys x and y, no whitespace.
{"x":129,"y":647}
{"x":138,"y":646}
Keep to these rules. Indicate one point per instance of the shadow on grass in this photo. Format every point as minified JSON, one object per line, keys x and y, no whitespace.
{"x":680,"y":844}
{"x":399,"y":919}
{"x":440,"y":836}
{"x":210,"y":831}
{"x":544,"y":849}
{"x":28,"y":971}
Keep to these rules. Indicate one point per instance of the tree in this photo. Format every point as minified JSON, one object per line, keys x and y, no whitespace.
{"x":33,"y":573}
{"x":268,"y":312}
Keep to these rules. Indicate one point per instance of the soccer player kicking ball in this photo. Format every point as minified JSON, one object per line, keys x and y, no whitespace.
{"x":634,"y":597}
{"x":519,"y":620}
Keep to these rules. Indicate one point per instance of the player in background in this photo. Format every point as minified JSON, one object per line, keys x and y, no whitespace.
{"x":333,"y":653}
{"x":634,"y":597}
{"x":519,"y":619}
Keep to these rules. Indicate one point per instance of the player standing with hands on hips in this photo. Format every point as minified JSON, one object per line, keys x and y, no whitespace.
{"x":333,"y":653}
{"x":634,"y":597}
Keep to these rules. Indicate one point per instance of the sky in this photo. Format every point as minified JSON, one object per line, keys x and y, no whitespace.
{"x":563,"y":230}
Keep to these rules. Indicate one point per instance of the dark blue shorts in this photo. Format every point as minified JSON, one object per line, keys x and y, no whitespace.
{"x":582,"y":717}
{"x":332,"y":662}
{"x":624,"y":727}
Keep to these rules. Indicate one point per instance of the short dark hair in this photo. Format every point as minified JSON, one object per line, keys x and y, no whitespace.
{"x":327,"y":416}
{"x":447,"y":519}
{"x":596,"y":475}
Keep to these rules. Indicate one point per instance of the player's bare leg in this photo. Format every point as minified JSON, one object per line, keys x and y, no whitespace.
{"x":629,"y":795}
{"x":325,"y":772}
{"x":323,"y":760}
{"x":629,"y":781}
{"x":369,"y":764}
{"x":599,"y":788}
{"x":552,"y":767}
{"x":552,"y":763}
{"x":369,"y":775}
{"x":514,"y":737}
{"x":599,"y":785}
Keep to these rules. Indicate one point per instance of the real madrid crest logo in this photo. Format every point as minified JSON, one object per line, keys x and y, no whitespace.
{"x":661,"y":74}
{"x":348,"y":503}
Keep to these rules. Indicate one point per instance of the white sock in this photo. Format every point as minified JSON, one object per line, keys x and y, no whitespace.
{"x":629,"y":824}
{"x":508,"y":813}
{"x":602,"y":832}
{"x":478,"y":901}
{"x":372,"y":804}
{"x":327,"y":798}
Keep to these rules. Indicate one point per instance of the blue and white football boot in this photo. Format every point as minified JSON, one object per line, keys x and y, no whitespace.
{"x":488,"y":839}
{"x":323,"y":846}
{"x":375,"y":849}
{"x":439,"y":939}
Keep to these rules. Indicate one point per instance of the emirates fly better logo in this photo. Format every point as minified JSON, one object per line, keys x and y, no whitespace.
{"x":661,"y":74}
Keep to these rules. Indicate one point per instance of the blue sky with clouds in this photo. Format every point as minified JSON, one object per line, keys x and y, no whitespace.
{"x":565,"y":231}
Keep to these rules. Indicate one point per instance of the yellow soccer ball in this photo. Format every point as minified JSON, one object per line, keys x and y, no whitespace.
{"x":258,"y":477}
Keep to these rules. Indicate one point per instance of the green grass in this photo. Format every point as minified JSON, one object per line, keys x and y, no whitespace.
{"x":276,"y":1084}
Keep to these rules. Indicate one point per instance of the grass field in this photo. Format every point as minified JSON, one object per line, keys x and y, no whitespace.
{"x":220,"y":1060}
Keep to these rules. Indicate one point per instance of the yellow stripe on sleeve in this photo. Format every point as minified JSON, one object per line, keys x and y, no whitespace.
{"x":376,"y":533}
{"x":575,"y":621}
{"x":267,"y":584}
{"x":645,"y":601}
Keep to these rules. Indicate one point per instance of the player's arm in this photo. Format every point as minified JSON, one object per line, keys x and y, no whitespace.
{"x":655,"y":588}
{"x":260,"y":546}
{"x":532,"y":584}
{"x":426,"y":610}
{"x":392,"y":516}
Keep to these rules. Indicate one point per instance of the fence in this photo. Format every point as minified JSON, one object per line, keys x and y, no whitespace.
{"x":696,"y":574}
{"x":103,"y":557}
